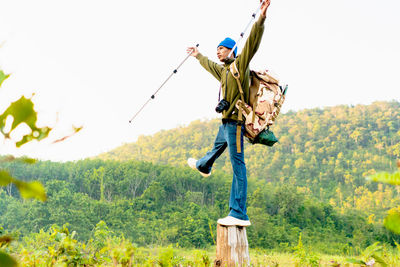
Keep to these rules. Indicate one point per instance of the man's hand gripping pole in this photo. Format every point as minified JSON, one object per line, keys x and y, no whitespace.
{"x":253,"y":16}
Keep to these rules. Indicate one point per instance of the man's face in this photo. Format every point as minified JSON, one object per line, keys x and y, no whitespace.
{"x":222,"y":53}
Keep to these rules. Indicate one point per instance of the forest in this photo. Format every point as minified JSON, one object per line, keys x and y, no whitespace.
{"x":311,"y":186}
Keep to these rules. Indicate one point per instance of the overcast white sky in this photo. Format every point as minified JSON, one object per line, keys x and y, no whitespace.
{"x":95,"y":62}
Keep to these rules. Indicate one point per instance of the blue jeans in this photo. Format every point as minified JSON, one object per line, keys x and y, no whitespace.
{"x":226,"y":137}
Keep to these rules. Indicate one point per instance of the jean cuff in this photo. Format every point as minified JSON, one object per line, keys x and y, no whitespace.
{"x":238,"y":215}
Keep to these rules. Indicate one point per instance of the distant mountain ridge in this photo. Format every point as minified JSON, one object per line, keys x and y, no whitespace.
{"x":294,"y":129}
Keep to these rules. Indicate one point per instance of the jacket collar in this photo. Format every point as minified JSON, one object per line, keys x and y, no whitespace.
{"x":228,"y":61}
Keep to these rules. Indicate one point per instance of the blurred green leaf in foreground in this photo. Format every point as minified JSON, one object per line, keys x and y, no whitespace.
{"x":22,"y":112}
{"x":3,"y":76}
{"x":392,"y":221}
{"x":6,"y":260}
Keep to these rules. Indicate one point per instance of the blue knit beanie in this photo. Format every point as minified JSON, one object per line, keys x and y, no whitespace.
{"x":228,"y":43}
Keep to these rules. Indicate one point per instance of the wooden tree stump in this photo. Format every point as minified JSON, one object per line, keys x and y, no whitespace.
{"x":232,"y":246}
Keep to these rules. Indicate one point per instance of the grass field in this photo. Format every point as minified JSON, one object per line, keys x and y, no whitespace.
{"x":171,"y":256}
{"x":61,"y":249}
{"x":187,"y":257}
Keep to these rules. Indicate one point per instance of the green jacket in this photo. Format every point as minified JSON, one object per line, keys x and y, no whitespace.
{"x":222,"y":73}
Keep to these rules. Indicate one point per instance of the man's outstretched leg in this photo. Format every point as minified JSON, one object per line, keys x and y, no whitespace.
{"x":204,"y":164}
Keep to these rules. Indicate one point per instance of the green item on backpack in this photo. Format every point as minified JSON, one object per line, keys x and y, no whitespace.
{"x":266,"y":137}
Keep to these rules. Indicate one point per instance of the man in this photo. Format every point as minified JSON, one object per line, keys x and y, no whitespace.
{"x":227,"y":134}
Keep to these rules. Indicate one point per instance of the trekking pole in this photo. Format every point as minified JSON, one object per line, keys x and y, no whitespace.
{"x":159,"y":88}
{"x":253,"y":16}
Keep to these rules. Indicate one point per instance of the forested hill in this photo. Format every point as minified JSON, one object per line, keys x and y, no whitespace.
{"x":312,"y":182}
{"x":327,"y":150}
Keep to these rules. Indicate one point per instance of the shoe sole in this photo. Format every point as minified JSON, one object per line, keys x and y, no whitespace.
{"x":242,"y":225}
{"x":202,"y":173}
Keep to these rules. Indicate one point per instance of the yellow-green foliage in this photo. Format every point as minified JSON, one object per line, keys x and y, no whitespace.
{"x":320,"y":150}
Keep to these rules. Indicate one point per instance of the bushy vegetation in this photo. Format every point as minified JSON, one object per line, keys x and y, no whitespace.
{"x":160,"y":205}
{"x":59,"y":247}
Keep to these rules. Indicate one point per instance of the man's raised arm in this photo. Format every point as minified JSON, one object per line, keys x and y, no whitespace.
{"x":254,"y":39}
{"x":209,"y":65}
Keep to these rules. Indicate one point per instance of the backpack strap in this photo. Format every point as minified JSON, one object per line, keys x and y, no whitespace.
{"x":253,"y":75}
{"x":236,"y":75}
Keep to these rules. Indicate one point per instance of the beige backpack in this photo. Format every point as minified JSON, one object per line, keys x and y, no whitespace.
{"x":265,"y":102}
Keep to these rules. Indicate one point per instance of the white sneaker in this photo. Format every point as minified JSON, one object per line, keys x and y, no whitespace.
{"x":232,"y":221}
{"x":192,"y":164}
